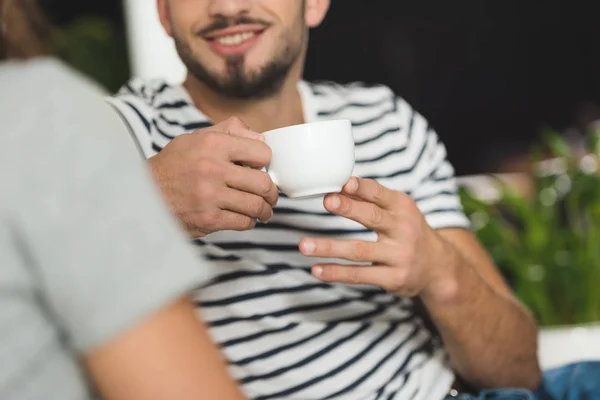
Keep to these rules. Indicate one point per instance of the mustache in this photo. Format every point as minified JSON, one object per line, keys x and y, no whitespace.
{"x":223,"y":23}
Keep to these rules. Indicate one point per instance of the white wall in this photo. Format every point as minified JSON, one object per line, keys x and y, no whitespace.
{"x":152,"y":53}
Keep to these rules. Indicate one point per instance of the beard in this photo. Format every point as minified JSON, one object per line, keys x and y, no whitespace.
{"x":237,"y":82}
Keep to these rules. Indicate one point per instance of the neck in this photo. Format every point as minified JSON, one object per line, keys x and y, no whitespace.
{"x":281,"y":109}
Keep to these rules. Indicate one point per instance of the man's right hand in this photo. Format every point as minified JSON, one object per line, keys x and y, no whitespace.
{"x":205,"y":178}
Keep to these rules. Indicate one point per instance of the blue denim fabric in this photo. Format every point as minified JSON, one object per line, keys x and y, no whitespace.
{"x":579,"y":381}
{"x":497,"y":394}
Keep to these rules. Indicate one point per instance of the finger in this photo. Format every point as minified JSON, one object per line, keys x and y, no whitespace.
{"x":249,"y":152}
{"x":353,"y":274}
{"x":351,"y":250}
{"x":236,"y":127}
{"x":252,"y":181}
{"x":391,"y":279}
{"x":370,"y":191}
{"x":367,"y":214}
{"x":222,"y":220}
{"x":246,"y":204}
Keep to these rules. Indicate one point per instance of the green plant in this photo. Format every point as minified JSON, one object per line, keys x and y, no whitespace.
{"x":93,"y":46}
{"x":548,"y":245}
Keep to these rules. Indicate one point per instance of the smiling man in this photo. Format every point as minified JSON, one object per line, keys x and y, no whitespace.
{"x":295,"y":309}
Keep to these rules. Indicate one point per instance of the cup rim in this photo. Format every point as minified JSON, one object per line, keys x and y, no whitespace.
{"x":325,"y":122}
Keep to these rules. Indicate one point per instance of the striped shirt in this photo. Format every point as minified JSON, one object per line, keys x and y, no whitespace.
{"x":285,"y":334}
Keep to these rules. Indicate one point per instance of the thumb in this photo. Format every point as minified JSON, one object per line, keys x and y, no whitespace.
{"x":234,"y":126}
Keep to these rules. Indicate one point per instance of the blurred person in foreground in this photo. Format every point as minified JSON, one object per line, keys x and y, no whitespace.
{"x":293,"y":317}
{"x":94,"y":273}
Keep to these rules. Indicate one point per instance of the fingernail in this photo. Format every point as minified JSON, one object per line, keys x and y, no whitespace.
{"x":334,"y":202}
{"x":352,"y":185}
{"x":309,"y":246}
{"x":317,"y":271}
{"x":266,"y":221}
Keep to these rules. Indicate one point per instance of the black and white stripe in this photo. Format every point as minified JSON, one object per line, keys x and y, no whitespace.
{"x":285,"y":334}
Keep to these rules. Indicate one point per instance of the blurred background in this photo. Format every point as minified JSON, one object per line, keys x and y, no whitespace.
{"x":512,"y":88}
{"x":488,"y":75}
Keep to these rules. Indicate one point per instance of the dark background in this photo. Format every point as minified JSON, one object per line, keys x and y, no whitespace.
{"x":488,"y":75}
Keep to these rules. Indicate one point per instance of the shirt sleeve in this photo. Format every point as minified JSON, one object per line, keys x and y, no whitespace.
{"x":109,"y":252}
{"x":435,"y":190}
{"x":137,"y":116}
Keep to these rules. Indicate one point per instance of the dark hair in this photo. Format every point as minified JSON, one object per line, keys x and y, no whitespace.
{"x":24,"y":29}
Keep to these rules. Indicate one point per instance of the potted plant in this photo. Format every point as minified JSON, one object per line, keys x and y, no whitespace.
{"x":547,"y":245}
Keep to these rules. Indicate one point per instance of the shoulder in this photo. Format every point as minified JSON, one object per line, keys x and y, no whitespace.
{"x":154,"y":94}
{"x":47,"y":83}
{"x":333,"y":98}
{"x":45,"y":93}
{"x":46,"y":72}
{"x":373,"y":109}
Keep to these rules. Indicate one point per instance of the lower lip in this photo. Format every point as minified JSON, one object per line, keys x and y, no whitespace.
{"x":231,"y":50}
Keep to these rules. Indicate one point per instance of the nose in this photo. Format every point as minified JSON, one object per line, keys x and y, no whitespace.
{"x":229,"y":8}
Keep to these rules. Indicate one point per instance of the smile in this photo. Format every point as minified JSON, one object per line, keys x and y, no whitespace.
{"x":235,"y":40}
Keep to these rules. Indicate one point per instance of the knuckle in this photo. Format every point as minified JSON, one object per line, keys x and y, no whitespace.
{"x":376,"y":215}
{"x":244,"y":222}
{"x":409,"y":231}
{"x":235,"y":124}
{"x":322,"y":247}
{"x":264,"y":153}
{"x":360,"y":250}
{"x":325,"y":247}
{"x":268,"y":152}
{"x":207,"y":167}
{"x":404,"y":201}
{"x":209,"y":219}
{"x":378,"y":191}
{"x":398,"y":279}
{"x":205,"y":192}
{"x":231,"y":173}
{"x":352,"y":275}
{"x":234,"y":121}
{"x":345,"y":205}
{"x":266,"y":184}
{"x":256,"y":206}
{"x":212,"y":139}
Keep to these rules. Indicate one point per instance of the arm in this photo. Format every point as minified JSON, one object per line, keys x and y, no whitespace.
{"x":490,"y":336}
{"x":168,"y":356}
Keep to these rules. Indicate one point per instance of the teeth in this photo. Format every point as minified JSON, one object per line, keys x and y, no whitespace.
{"x":236,"y":39}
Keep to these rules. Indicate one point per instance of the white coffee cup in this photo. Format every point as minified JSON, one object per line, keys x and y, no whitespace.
{"x":311,"y":159}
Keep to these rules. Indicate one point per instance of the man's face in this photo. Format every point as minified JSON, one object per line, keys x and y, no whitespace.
{"x":242,"y":49}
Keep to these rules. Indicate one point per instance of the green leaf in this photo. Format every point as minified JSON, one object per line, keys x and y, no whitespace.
{"x":548,"y":245}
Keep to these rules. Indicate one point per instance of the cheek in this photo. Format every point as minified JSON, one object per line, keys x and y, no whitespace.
{"x":187,"y":17}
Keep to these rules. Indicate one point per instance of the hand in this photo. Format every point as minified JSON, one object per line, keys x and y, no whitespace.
{"x":408,"y":259}
{"x":202,"y":177}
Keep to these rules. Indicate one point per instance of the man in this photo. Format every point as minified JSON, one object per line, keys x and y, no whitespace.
{"x":295,"y":309}
{"x":89,"y":304}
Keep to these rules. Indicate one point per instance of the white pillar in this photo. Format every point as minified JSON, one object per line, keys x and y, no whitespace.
{"x":152,"y":53}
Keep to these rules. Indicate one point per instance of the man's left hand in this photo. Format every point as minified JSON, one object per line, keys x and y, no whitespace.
{"x":409,"y":257}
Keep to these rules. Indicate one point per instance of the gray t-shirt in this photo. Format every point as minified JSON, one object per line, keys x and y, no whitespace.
{"x":81,"y":261}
